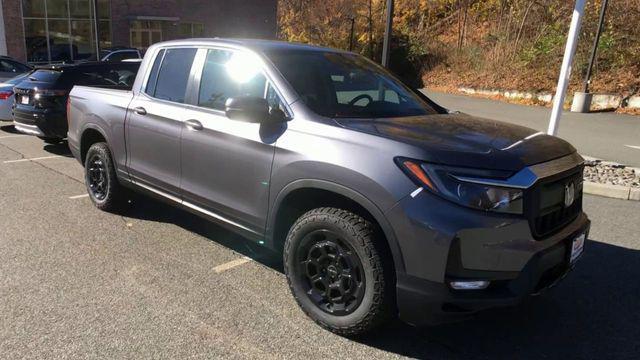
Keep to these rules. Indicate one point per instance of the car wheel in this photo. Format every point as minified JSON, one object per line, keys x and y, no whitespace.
{"x":336,"y":272}
{"x":51,"y":140}
{"x":100,"y":178}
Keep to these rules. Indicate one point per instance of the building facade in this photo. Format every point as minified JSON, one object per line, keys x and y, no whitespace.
{"x":46,"y":31}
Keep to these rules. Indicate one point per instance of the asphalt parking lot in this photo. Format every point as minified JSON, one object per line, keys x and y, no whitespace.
{"x":156,"y":282}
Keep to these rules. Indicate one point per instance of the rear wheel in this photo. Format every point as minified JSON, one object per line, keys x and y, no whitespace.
{"x":335,"y":271}
{"x":50,"y":140}
{"x":100,"y":178}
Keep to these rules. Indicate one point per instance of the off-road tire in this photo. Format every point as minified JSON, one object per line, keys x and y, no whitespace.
{"x":376,"y":305}
{"x":115,"y":193}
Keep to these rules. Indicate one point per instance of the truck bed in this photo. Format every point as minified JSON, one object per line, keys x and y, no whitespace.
{"x":103,"y":110}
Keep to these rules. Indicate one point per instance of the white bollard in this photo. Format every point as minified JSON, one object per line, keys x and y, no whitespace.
{"x":565,"y":71}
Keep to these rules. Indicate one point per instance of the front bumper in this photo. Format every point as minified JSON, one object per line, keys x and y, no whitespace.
{"x":441,"y":241}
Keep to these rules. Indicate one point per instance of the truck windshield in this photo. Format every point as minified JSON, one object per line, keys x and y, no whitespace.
{"x":344,"y":85}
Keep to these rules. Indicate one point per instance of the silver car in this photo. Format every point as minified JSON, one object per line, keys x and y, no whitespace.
{"x":7,"y":96}
{"x":10,"y":68}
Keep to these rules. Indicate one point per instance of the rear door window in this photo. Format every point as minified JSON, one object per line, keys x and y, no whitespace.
{"x":173,"y":76}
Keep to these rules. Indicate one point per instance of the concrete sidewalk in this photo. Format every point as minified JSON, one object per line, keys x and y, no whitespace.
{"x":607,"y":136}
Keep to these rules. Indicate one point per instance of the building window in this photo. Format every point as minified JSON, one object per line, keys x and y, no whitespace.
{"x":64,"y":30}
{"x":145,"y":33}
{"x":191,"y":30}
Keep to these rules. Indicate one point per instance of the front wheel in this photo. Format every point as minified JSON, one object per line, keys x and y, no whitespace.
{"x":336,"y":271}
{"x":100,"y":178}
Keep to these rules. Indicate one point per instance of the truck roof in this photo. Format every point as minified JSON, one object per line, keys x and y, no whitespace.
{"x":253,"y":44}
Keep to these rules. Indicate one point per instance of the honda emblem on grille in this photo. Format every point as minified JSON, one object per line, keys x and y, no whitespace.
{"x":569,"y":194}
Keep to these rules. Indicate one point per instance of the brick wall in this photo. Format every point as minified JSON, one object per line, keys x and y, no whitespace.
{"x":222,"y":18}
{"x":14,"y":31}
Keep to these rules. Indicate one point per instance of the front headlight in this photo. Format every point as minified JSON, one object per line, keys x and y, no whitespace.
{"x":444,"y":181}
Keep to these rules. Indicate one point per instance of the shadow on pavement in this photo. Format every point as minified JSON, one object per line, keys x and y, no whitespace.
{"x":592,"y":314}
{"x":61,"y":149}
{"x":9,"y":129}
{"x":145,"y":208}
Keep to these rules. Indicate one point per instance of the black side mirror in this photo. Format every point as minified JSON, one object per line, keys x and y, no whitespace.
{"x":247,"y":108}
{"x":253,"y":110}
{"x":277,"y":116}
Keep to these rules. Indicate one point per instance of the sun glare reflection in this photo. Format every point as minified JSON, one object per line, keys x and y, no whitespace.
{"x":243,"y":67}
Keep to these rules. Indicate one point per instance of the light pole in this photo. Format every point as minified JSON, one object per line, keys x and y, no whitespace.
{"x":582,"y":100}
{"x":594,"y":51}
{"x":96,"y":28}
{"x":565,"y":70}
{"x":353,"y":24}
{"x":386,"y":49}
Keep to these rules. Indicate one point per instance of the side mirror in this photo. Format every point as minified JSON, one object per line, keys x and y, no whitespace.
{"x":248,"y":109}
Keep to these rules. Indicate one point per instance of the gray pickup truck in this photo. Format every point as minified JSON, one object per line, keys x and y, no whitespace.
{"x":382,"y":202}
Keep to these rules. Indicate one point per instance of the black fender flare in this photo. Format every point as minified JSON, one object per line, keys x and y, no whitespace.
{"x":123,"y":174}
{"x":91,"y":127}
{"x":349,"y":193}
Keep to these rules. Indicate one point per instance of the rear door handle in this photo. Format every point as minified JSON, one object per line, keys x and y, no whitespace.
{"x":140,"y":110}
{"x":194,"y":125}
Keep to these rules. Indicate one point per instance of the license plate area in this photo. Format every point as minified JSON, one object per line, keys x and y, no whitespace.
{"x":577,"y":247}
{"x":24,"y":99}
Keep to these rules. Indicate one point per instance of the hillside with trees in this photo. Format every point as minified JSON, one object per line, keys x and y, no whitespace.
{"x":491,"y":44}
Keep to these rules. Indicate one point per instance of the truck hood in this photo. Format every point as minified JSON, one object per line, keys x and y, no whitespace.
{"x":466,"y":141}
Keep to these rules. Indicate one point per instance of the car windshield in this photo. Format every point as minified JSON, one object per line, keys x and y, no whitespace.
{"x":345,"y":85}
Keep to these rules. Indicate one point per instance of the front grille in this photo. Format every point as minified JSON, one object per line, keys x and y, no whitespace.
{"x":551,"y":213}
{"x":549,"y":223}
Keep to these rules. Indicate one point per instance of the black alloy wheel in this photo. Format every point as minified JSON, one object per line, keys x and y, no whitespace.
{"x":100,"y":178}
{"x":339,"y":272}
{"x":332,"y":274}
{"x":97,"y":179}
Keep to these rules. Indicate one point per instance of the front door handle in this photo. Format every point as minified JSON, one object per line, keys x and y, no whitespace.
{"x":194,"y":125}
{"x":140,"y":110}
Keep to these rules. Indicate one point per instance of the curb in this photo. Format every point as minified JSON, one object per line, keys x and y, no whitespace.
{"x":608,"y":190}
{"x":599,"y":101}
{"x":612,"y":191}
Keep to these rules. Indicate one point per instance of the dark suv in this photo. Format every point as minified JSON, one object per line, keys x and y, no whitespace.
{"x":40,"y":100}
{"x":381,"y":201}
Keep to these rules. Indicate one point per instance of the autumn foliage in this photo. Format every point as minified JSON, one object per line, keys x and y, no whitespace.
{"x":509,"y":44}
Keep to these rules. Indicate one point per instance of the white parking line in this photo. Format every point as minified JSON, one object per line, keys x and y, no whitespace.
{"x":11,"y":136}
{"x":230,"y":265}
{"x":633,"y":147}
{"x":32,"y":159}
{"x":78,"y":196}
